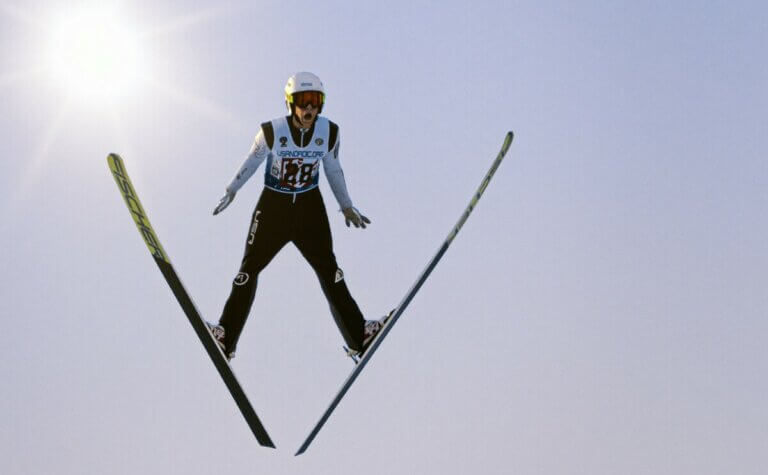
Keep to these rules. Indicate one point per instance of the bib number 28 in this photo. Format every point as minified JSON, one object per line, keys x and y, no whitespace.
{"x":296,"y":174}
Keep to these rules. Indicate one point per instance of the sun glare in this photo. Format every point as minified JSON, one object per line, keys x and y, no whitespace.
{"x":93,"y":56}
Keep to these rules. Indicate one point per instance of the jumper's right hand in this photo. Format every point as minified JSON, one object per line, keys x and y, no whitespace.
{"x":224,"y":202}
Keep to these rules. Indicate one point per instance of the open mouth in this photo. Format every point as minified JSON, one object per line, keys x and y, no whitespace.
{"x":307,"y":116}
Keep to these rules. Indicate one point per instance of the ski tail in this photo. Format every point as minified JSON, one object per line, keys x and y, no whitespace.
{"x":117,"y":167}
{"x":409,"y":296}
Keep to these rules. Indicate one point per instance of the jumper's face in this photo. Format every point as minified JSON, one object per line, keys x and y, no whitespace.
{"x":305,"y":115}
{"x":307,"y":105}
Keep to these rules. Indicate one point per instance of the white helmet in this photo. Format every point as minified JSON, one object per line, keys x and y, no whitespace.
{"x":300,"y":82}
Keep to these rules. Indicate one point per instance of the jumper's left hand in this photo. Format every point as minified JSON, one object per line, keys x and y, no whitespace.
{"x":352,"y":215}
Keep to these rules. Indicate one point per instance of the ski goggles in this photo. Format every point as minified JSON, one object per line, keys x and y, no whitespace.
{"x":305,"y":98}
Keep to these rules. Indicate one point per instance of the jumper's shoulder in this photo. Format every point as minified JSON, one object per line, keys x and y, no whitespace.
{"x":269,"y":133}
{"x":333,"y":134}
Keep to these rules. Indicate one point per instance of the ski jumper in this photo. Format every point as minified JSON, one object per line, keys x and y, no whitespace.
{"x":291,"y":209}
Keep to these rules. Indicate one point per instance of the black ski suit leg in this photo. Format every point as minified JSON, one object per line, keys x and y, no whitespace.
{"x":268,"y":233}
{"x":313,"y":239}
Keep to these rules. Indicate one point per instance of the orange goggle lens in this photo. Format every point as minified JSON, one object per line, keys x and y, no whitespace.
{"x":305,"y":98}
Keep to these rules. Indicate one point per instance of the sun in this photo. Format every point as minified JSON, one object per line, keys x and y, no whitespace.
{"x":94,"y":56}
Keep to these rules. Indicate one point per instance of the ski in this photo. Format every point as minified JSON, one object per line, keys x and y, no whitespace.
{"x":117,"y":167}
{"x":408,"y":297}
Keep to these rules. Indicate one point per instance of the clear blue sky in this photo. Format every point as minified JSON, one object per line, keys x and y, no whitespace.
{"x":603,"y":311}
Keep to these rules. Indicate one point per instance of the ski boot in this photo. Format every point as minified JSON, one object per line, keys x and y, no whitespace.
{"x":217,"y":332}
{"x":371,"y":328}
